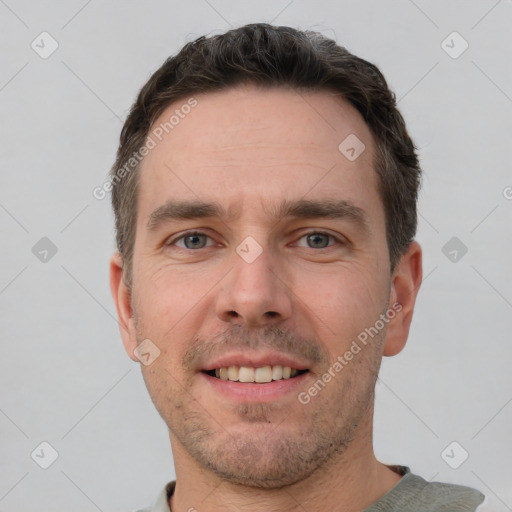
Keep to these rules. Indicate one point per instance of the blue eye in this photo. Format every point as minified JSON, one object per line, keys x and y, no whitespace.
{"x":318,"y":240}
{"x":193,"y":241}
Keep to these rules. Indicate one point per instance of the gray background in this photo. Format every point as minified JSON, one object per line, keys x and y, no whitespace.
{"x":65,"y":378}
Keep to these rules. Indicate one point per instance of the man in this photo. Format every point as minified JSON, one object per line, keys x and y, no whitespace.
{"x":265,"y":195}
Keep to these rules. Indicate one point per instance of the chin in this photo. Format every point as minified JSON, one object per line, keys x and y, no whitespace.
{"x":270,"y":462}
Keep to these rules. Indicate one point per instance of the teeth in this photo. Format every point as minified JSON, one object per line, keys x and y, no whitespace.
{"x":277,"y":372}
{"x":259,"y":375}
{"x":245,"y":374}
{"x":263,"y":374}
{"x":233,"y":373}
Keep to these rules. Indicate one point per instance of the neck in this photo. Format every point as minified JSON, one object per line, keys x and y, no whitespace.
{"x":350,"y":481}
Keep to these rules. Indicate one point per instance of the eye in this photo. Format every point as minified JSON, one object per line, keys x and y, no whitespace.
{"x":317,"y":240}
{"x":192,"y":240}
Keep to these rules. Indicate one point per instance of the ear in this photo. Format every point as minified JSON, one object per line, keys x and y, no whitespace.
{"x":405,"y":284}
{"x":122,"y":299}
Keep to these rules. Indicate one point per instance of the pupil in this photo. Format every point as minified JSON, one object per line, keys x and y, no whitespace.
{"x":194,"y":241}
{"x":316,"y":240}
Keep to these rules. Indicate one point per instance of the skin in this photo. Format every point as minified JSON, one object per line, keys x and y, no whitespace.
{"x":249,"y":149}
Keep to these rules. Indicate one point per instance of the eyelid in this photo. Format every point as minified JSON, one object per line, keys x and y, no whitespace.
{"x":338,"y":238}
{"x":176,"y":238}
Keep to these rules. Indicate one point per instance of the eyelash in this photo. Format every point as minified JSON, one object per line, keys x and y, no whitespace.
{"x":192,"y":233}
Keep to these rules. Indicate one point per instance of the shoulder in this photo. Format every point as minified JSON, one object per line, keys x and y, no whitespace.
{"x":414,"y":493}
{"x":449,"y":497}
{"x":439,"y":496}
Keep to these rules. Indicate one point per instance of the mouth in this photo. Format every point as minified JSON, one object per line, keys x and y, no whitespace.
{"x":256,"y":375}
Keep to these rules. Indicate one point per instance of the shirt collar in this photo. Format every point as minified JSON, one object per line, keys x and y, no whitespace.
{"x":162,"y":503}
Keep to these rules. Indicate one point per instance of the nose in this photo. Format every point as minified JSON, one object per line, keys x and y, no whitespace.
{"x":254,"y":293}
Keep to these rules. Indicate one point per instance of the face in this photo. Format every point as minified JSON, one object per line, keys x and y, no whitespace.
{"x":261,"y":255}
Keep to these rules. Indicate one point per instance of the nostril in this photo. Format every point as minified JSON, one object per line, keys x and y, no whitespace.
{"x":271,"y":314}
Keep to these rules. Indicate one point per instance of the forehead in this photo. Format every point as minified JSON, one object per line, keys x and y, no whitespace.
{"x":249,"y":146}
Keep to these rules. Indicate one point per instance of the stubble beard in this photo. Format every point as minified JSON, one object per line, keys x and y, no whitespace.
{"x":269,"y":453}
{"x":273,"y":451}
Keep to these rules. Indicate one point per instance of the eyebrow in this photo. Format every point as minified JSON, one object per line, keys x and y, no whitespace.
{"x":176,"y":210}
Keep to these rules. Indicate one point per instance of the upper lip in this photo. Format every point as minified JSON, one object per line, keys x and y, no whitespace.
{"x":255,"y":360}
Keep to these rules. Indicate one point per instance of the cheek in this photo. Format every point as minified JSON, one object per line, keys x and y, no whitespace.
{"x":168,"y":294}
{"x":171,"y":306}
{"x":344,"y":300}
{"x":166,"y":391}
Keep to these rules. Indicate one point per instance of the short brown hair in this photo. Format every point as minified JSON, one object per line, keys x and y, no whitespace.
{"x":266,"y":55}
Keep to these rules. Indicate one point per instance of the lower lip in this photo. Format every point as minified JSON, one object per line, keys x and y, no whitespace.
{"x":253,"y":392}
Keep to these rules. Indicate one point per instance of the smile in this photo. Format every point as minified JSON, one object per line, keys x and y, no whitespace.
{"x":260,"y":375}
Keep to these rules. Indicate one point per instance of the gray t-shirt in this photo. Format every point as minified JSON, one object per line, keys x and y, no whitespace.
{"x":411,"y":494}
